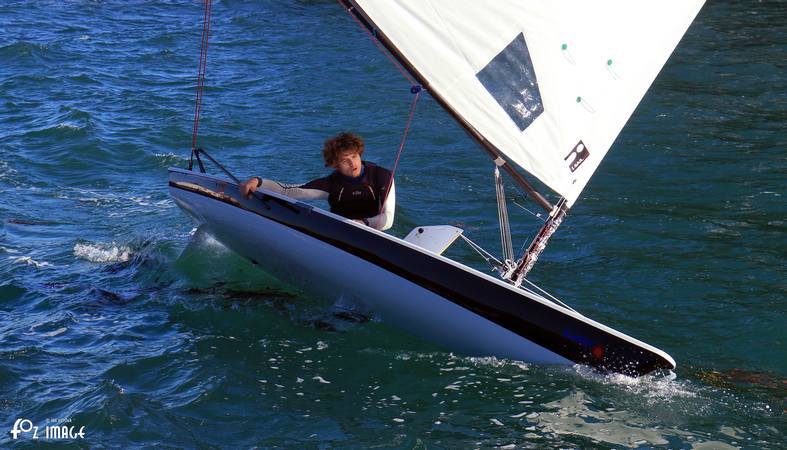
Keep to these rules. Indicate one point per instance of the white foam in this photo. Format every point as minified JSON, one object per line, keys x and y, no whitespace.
{"x":664,"y":387}
{"x":56,"y":332}
{"x":141,"y":201}
{"x":123,"y":202}
{"x":6,"y":170}
{"x":30,"y":261}
{"x":102,"y":253}
{"x":208,"y":240}
{"x":493,"y":362}
{"x":170,"y":156}
{"x":69,"y":126}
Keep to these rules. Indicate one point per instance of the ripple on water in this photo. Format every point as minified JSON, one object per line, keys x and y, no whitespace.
{"x":27,"y":260}
{"x":11,"y":291}
{"x":22,"y":49}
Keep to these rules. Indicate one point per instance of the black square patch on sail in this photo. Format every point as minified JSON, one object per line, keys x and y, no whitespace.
{"x":510,"y":79}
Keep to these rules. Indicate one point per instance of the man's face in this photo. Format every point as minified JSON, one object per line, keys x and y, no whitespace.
{"x":348,"y":163}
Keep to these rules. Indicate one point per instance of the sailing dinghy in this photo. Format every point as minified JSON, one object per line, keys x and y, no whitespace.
{"x":544,"y":87}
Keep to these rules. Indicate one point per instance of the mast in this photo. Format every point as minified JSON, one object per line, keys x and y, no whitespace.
{"x":529,"y":258}
{"x":494,"y":153}
{"x":522,"y":267}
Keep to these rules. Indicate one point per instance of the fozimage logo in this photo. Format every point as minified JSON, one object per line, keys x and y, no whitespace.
{"x":60,"y":429}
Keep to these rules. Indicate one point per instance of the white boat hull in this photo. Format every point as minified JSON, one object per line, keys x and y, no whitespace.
{"x":326,"y":264}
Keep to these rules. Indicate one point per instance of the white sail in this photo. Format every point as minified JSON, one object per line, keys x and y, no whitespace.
{"x":548,"y":83}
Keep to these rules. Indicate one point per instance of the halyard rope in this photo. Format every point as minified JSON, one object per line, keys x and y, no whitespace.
{"x":203,"y":63}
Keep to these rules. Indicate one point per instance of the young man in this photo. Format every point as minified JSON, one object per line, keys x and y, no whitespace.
{"x":356,"y":189}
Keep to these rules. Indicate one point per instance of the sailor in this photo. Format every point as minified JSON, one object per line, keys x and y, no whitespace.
{"x":356,"y":189}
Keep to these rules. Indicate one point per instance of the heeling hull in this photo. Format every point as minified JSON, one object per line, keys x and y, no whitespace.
{"x":422,"y":293}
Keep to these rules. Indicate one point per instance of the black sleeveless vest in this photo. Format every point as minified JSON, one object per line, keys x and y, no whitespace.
{"x":360,"y":199}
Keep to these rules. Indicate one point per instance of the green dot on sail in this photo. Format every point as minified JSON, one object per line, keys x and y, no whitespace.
{"x":579,"y":99}
{"x":609,"y":62}
{"x":564,"y":46}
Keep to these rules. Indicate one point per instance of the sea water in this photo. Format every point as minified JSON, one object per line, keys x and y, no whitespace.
{"x":121,"y":320}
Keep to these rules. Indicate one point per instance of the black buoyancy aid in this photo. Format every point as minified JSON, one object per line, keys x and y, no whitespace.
{"x":360,"y":198}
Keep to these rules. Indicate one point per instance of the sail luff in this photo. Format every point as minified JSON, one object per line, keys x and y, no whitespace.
{"x":494,"y":153}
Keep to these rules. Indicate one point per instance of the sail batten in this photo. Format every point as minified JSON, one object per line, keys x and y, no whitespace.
{"x":547,"y":84}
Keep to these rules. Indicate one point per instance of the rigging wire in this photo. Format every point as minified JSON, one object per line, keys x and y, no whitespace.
{"x":203,"y":64}
{"x":416,"y":89}
{"x":536,"y":215}
{"x":349,"y":8}
{"x":223,"y":169}
{"x":502,"y":216}
{"x":488,"y":257}
{"x":498,"y":265}
{"x":551,"y":297}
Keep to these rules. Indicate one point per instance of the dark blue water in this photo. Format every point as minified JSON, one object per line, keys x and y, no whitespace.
{"x":117,"y":317}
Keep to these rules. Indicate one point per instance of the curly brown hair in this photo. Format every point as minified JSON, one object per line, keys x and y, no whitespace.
{"x":340,"y":143}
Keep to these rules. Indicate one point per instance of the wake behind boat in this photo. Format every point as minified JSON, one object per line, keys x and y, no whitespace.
{"x":543,"y":85}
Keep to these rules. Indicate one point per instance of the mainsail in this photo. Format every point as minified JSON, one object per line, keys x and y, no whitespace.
{"x":547,"y":84}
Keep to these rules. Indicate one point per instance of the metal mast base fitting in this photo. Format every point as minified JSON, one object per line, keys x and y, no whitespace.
{"x":538,"y":245}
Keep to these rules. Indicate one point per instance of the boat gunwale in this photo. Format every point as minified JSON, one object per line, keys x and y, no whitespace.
{"x":580,"y":353}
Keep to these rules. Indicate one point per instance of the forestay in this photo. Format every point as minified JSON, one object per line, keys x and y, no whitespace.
{"x":549,"y":84}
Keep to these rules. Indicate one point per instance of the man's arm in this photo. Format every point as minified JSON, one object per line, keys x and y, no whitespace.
{"x":384,"y":220}
{"x":313,"y":190}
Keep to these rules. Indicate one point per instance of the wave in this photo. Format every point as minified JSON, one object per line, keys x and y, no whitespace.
{"x":654,"y":386}
{"x":70,"y":123}
{"x":30,"y":261}
{"x":54,"y":333}
{"x":170,"y":159}
{"x":11,"y":291}
{"x":102,"y":253}
{"x":122,"y":204}
{"x":6,"y":171}
{"x":69,"y":126}
{"x":22,"y":48}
